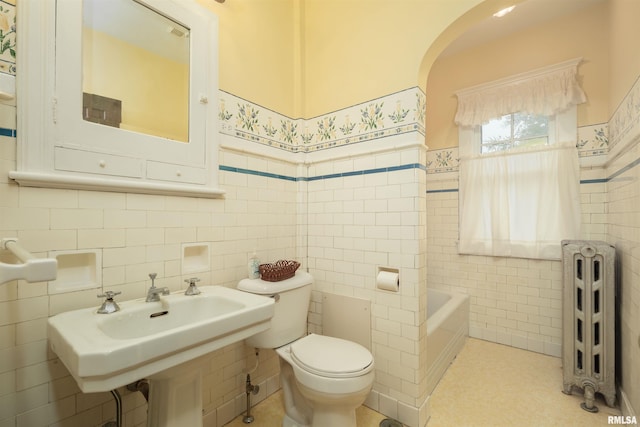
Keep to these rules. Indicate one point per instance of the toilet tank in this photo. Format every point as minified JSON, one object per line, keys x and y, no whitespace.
{"x":289,"y":321}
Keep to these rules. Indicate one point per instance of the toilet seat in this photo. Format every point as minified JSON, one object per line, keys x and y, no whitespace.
{"x":331,"y":357}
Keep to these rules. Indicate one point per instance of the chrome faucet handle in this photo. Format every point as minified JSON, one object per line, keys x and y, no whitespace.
{"x":109,"y":294}
{"x":108,"y":305}
{"x":192,"y":289}
{"x":153,"y":276}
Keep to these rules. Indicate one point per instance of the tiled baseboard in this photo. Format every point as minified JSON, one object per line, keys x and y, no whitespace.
{"x":397,"y":410}
{"x":625,"y":405}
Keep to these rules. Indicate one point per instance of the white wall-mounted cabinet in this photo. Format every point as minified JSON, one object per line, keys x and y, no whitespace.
{"x":58,"y":146}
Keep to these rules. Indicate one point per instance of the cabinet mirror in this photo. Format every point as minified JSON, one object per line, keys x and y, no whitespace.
{"x":135,"y":69}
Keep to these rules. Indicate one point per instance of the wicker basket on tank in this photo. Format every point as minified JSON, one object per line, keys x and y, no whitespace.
{"x":279,"y":270}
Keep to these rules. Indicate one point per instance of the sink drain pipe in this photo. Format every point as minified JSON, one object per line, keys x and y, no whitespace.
{"x":118,"y":399}
{"x":141,"y":385}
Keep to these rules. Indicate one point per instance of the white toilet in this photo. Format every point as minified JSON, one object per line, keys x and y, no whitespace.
{"x":324,"y":379}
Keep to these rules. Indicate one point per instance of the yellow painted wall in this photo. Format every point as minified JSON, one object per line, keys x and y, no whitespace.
{"x":137,"y":77}
{"x":358,"y":50}
{"x":584,"y":34}
{"x":623,"y":46}
{"x":305,"y":58}
{"x":258,"y":51}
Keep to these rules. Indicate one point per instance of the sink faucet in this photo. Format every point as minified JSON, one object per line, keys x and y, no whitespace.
{"x":153,"y":294}
{"x":108,"y":305}
{"x":192,"y":289}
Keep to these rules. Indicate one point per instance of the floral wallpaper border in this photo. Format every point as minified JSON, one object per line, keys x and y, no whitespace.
{"x":7,"y":37}
{"x":593,"y":140}
{"x":399,"y":113}
{"x":443,"y":160}
{"x":624,"y":125}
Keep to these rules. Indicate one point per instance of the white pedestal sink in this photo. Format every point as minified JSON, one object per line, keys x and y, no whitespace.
{"x":154,"y":340}
{"x":175,"y":397}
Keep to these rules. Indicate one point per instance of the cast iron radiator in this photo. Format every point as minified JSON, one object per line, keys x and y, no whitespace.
{"x":588,"y":344}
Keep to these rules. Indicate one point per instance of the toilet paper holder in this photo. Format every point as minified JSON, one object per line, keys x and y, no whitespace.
{"x":388,"y":279}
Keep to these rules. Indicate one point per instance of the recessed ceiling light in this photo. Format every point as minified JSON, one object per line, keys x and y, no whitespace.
{"x":501,"y":13}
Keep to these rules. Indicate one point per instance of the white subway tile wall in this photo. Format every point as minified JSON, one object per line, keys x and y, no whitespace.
{"x":514,"y":301}
{"x":623,"y":229}
{"x":370,"y":212}
{"x":137,"y":234}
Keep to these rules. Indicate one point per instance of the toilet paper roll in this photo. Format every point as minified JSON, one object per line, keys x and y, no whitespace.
{"x":388,"y":281}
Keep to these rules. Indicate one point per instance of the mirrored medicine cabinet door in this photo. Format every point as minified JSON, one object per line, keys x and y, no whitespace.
{"x":135,"y":69}
{"x":118,"y":95}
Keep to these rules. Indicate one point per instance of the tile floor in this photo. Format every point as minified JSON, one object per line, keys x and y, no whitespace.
{"x":487,"y":385}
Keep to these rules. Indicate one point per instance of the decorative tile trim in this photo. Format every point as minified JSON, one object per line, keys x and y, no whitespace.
{"x":7,"y":38}
{"x":366,"y":172}
{"x":245,"y":120}
{"x":396,"y":168}
{"x":321,"y":177}
{"x":624,"y":125}
{"x":624,"y":169}
{"x":257,"y":173}
{"x":443,"y":160}
{"x":399,"y":113}
{"x":8,"y":132}
{"x":593,"y":140}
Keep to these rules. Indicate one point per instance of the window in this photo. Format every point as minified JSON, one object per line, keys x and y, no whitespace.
{"x":513,"y":131}
{"x":519,"y":192}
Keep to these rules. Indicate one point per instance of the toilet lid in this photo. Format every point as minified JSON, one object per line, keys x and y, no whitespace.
{"x":331,"y":357}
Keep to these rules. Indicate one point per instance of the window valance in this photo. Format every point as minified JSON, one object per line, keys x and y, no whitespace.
{"x":544,"y":91}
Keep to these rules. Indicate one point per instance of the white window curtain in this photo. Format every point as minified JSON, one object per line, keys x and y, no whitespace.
{"x":521,"y":203}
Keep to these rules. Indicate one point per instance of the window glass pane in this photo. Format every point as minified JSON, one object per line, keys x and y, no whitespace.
{"x":530,"y":126}
{"x":514,"y":130}
{"x":497,"y":130}
{"x":496,"y":135}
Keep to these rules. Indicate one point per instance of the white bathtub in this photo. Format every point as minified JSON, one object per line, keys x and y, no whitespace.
{"x":447,"y":331}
